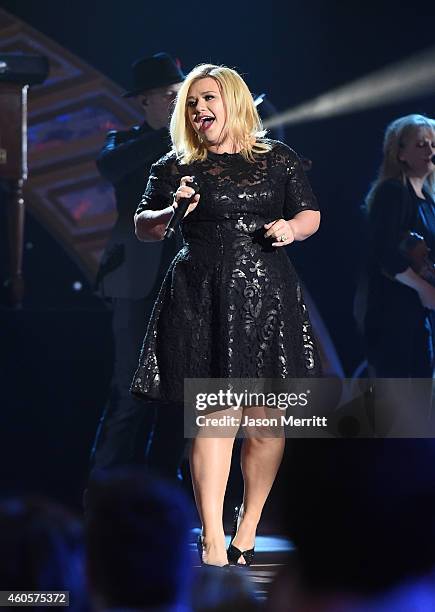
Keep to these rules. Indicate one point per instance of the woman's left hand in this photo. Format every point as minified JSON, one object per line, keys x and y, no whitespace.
{"x":281,"y":231}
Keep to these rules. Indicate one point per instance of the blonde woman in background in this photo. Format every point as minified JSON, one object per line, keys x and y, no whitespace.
{"x":231,"y":304}
{"x":397,"y":325}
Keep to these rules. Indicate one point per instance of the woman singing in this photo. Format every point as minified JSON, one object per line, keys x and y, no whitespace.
{"x":397,"y":326}
{"x":231,"y":303}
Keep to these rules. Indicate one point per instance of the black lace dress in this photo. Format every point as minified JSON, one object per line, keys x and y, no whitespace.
{"x":230,"y":304}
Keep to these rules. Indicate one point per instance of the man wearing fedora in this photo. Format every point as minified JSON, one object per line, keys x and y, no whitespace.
{"x":131,"y":271}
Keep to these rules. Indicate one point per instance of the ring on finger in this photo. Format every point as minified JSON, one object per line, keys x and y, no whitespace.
{"x":283,"y":238}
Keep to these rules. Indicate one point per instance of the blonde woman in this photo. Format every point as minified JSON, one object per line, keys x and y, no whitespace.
{"x":230,"y":305}
{"x":397,"y":323}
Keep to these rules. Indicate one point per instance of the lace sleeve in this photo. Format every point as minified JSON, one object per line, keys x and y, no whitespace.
{"x":298,"y":193}
{"x":162,"y":183}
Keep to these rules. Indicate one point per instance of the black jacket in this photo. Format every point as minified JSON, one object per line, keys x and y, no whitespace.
{"x":129,"y":268}
{"x":395,"y":210}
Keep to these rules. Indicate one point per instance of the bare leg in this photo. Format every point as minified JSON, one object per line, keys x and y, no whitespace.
{"x":260,"y":459}
{"x":210,"y":461}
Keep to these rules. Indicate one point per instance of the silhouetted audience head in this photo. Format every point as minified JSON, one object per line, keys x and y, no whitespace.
{"x":217,"y":590}
{"x":361,"y":513}
{"x":137,"y":540}
{"x":41,"y":549}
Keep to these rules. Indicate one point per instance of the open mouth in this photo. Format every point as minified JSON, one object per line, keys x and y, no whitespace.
{"x":205,"y":122}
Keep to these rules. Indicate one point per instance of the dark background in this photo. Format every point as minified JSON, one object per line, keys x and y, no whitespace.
{"x":56,"y":353}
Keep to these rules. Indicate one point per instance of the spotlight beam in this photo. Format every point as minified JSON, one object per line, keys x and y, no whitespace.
{"x":400,"y":81}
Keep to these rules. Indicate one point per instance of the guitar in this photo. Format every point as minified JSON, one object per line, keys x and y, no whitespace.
{"x":415,"y":249}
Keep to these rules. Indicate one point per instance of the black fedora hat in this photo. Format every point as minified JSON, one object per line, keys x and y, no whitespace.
{"x":158,"y":70}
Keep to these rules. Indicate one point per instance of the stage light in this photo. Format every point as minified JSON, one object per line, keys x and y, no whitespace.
{"x":401,"y":81}
{"x":77,"y":286}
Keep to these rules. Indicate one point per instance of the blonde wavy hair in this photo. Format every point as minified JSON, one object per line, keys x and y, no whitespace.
{"x":242,"y":119}
{"x":396,"y":136}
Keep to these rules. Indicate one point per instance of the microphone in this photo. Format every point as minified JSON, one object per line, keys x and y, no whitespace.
{"x":180,"y":211}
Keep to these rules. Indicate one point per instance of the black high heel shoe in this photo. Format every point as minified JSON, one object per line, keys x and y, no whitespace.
{"x":234,"y":553}
{"x":200,"y":548}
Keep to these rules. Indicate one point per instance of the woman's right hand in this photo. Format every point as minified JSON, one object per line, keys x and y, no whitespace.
{"x":427,"y":296}
{"x":184,"y":191}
